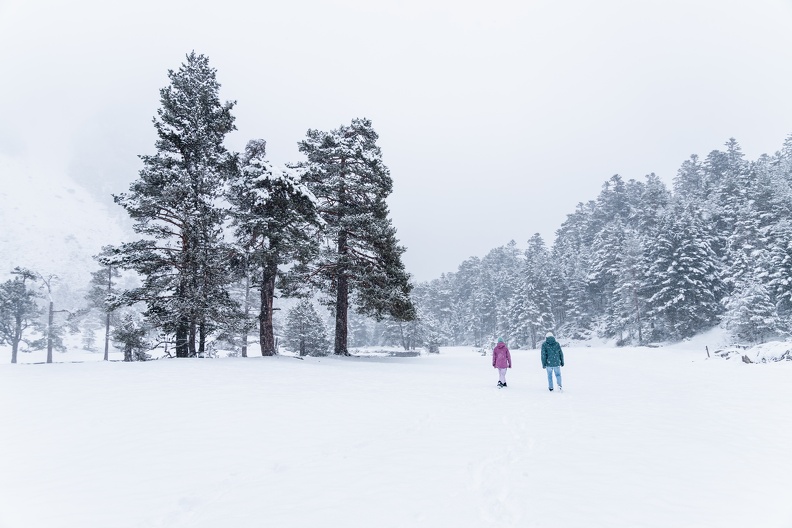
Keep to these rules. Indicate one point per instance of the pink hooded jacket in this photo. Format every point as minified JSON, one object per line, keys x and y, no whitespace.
{"x":501,"y":357}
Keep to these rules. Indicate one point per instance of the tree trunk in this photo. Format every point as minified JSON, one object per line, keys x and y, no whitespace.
{"x":266,"y":333}
{"x":107,"y":319}
{"x":191,"y":338}
{"x":107,"y":337}
{"x":342,"y":300}
{"x":246,"y":307}
{"x":342,"y":306}
{"x":202,"y":339}
{"x":182,"y":338}
{"x":49,"y":331}
{"x":17,"y":338}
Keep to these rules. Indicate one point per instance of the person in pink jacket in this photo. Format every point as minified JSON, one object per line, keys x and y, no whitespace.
{"x":501,"y":360}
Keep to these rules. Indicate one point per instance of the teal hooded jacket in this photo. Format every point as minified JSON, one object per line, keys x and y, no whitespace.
{"x":552,"y":355}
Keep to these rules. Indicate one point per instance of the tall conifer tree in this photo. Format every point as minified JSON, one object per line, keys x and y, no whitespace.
{"x":361,"y":260}
{"x":174,"y":204}
{"x":276,"y":221}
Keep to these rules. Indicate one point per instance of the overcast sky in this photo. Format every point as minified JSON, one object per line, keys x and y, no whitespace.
{"x":496,"y":118}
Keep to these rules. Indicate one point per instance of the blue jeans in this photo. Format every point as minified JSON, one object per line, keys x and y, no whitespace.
{"x":550,"y":371}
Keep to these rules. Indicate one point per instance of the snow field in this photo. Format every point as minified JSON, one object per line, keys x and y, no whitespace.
{"x":640,"y":437}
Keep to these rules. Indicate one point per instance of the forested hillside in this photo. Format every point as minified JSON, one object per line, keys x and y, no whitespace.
{"x":641,"y":263}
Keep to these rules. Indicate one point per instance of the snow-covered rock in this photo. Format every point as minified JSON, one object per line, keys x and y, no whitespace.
{"x":763,"y":353}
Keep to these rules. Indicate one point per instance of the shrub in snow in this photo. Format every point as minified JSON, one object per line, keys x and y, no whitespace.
{"x":130,"y":336}
{"x":305,"y":332}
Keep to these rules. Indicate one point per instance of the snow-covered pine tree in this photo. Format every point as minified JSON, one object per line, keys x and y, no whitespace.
{"x":396,"y":333}
{"x":536,"y":279}
{"x":653,"y":201}
{"x":780,"y":277}
{"x":730,"y":177}
{"x":691,"y":183}
{"x":175,"y":204}
{"x":237,"y":335}
{"x":612,"y":203}
{"x":276,"y":223}
{"x":572,"y":256}
{"x":51,"y":330}
{"x":474,"y":302}
{"x":686,"y":285}
{"x":130,"y":337}
{"x":745,"y":245}
{"x":305,"y":331}
{"x":630,"y":298}
{"x":426,"y":330}
{"x":18,"y":308}
{"x":523,"y":314}
{"x":362,"y":257}
{"x":751,"y":314}
{"x":501,"y":266}
{"x":102,"y":291}
{"x":359,"y":332}
{"x":606,"y":250}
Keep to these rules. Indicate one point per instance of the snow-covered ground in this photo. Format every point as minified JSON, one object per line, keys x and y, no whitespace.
{"x":640,"y":438}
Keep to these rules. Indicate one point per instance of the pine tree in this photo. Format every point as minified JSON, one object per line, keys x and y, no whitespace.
{"x":537,"y":301}
{"x":359,"y":331}
{"x":52,"y":331}
{"x":750,"y":313}
{"x":501,"y":268}
{"x":18,"y":309}
{"x":362,"y":258}
{"x":175,"y":203}
{"x":653,"y":202}
{"x":691,"y":183}
{"x":606,"y":249}
{"x":89,"y":339}
{"x":130,"y":337}
{"x":237,"y":335}
{"x":630,"y":299}
{"x":305,"y":331}
{"x":276,"y":221}
{"x":572,"y":255}
{"x":686,"y":286}
{"x":102,"y":291}
{"x":780,"y":278}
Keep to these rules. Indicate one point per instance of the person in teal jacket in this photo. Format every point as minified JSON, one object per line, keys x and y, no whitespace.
{"x":552,"y":360}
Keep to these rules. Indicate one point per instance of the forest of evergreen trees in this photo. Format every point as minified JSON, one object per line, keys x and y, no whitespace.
{"x":223,"y":234}
{"x":640,"y":264}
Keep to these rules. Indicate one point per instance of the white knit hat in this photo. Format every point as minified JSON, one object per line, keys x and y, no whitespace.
{"x":549,"y":334}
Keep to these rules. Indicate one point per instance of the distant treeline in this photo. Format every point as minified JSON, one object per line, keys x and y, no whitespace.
{"x":640,"y":264}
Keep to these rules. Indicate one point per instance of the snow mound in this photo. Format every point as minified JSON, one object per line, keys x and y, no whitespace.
{"x":764,"y":353}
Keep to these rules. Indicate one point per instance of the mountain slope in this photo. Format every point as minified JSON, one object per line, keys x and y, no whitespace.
{"x":50,"y":224}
